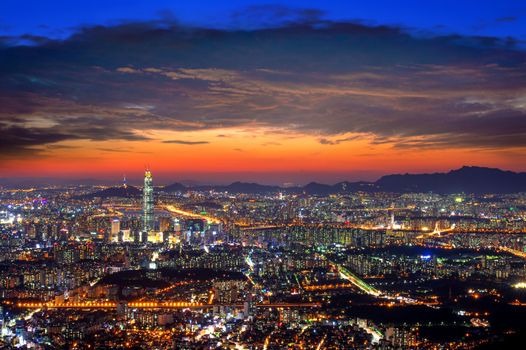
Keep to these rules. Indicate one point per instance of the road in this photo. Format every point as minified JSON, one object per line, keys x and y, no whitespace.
{"x":351,"y":277}
{"x":174,"y":210}
{"x":515,"y":252}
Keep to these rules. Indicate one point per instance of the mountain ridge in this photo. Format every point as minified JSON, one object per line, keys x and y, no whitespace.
{"x":117,"y":191}
{"x":467,"y":179}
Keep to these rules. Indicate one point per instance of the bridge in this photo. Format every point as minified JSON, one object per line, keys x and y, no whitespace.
{"x":109,"y":305}
{"x":323,"y":287}
{"x":437,"y":231}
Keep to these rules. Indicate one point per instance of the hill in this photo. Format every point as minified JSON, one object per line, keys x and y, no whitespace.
{"x":466,"y":179}
{"x":120,"y":191}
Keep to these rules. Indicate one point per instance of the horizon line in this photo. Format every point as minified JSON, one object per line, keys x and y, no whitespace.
{"x":195,"y":182}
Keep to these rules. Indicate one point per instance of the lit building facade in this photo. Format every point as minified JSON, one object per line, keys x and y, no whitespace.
{"x":147,"y":206}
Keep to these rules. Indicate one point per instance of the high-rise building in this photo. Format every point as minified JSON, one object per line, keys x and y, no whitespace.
{"x":115,"y":228}
{"x":1,"y":318}
{"x":147,"y":205}
{"x":164,"y":223}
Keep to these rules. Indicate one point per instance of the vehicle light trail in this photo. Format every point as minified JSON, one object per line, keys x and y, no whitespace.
{"x":321,"y":342}
{"x":175,"y":210}
{"x":351,"y":277}
{"x":513,"y":251}
{"x":374,"y":332}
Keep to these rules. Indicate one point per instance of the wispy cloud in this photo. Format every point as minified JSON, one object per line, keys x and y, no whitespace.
{"x":326,"y":141}
{"x":184,"y":142}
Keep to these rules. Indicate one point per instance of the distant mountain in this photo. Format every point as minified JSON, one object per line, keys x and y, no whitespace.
{"x":121,"y":191}
{"x":476,"y":180}
{"x":358,"y":186}
{"x":175,"y":187}
{"x":472,"y":179}
{"x":312,"y":188}
{"x":315,"y":188}
{"x":241,"y":187}
{"x":466,"y":179}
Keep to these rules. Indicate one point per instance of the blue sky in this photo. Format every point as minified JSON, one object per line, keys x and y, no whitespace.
{"x":58,"y":18}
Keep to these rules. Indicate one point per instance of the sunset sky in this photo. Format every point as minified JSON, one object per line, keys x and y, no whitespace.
{"x":296,"y":92}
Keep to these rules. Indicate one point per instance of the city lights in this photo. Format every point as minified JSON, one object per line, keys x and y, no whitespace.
{"x":292,"y":175}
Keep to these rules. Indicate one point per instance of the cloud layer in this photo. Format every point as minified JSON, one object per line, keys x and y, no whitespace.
{"x":312,"y":77}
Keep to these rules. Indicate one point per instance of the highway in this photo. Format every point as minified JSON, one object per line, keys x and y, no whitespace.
{"x":351,"y":277}
{"x":174,"y":210}
{"x":515,"y":252}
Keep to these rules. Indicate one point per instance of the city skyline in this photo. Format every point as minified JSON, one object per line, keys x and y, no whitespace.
{"x":210,"y":179}
{"x":292,"y":94}
{"x":329,"y":175}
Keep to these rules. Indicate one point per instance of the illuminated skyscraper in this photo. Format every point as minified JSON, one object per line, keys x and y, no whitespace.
{"x":147,"y":205}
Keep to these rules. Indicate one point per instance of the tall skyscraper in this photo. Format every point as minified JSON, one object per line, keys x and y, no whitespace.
{"x":147,"y":205}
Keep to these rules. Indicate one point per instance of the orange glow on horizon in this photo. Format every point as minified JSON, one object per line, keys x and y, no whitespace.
{"x":250,"y":150}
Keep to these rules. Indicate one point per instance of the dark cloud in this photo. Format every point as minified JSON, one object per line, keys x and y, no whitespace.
{"x":507,"y":19}
{"x":31,"y":139}
{"x":273,"y":15}
{"x":183,"y":142}
{"x":26,"y":39}
{"x":325,"y":141}
{"x":17,"y":139}
{"x":306,"y":75}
